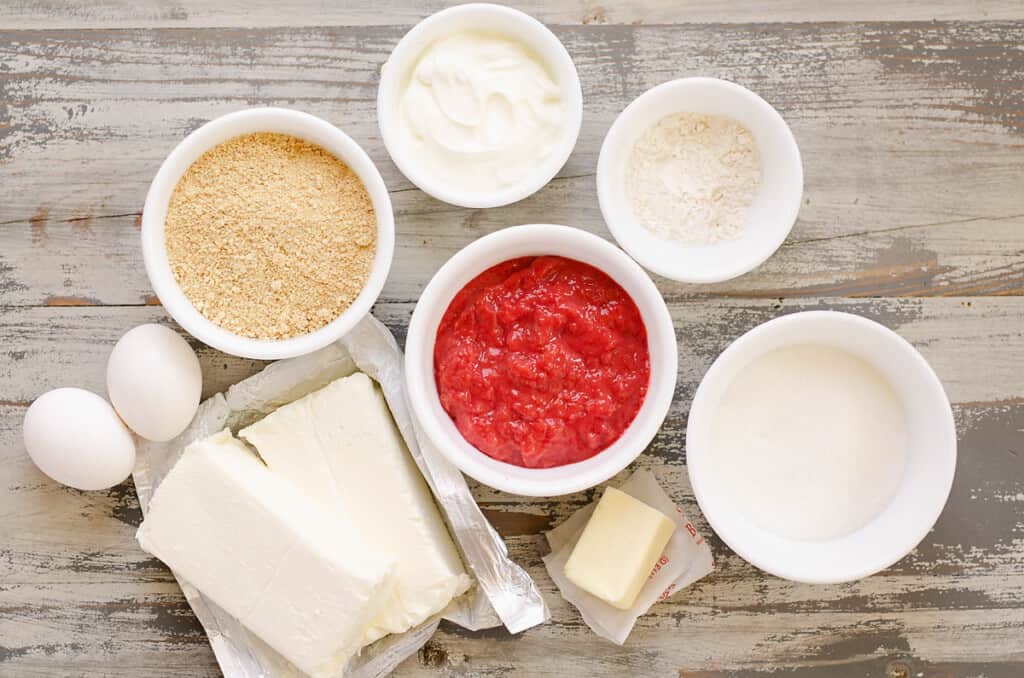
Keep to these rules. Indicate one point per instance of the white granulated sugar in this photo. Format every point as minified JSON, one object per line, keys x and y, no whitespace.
{"x":691,"y":178}
{"x":810,"y":442}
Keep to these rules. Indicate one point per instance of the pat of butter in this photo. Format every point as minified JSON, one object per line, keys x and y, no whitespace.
{"x":292,"y":574}
{"x":618,"y":548}
{"x":340,"y":445}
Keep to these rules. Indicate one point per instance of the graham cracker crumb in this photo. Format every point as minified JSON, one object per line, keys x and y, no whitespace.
{"x":270,"y":236}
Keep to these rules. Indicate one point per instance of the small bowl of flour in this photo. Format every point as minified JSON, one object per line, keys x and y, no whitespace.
{"x":700,"y":180}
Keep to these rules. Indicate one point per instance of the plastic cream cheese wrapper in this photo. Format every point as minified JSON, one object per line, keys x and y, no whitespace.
{"x":504,"y":592}
{"x":686,"y":559}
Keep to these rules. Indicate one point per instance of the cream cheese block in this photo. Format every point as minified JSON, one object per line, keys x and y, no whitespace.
{"x":618,"y":548}
{"x":341,"y":447}
{"x":297,"y":577}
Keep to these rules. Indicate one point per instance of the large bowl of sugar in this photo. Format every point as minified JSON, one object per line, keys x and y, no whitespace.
{"x":821,"y":447}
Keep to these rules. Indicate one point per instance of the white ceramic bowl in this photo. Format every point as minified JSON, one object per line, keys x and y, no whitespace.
{"x":217,"y":131}
{"x":537,"y":240}
{"x":497,"y":20}
{"x":920,"y":496}
{"x":770,"y":217}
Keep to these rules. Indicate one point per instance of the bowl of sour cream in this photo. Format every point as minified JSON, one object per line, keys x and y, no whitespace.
{"x":479,"y":105}
{"x":821,"y":447}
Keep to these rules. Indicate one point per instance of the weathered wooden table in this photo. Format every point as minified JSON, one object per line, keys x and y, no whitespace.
{"x":910,"y":116}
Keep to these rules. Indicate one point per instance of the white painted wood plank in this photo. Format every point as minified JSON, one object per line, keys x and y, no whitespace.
{"x":64,"y":263}
{"x":81,"y":14}
{"x":46,"y":347}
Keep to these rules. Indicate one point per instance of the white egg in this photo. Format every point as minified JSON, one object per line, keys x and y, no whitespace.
{"x":75,"y":437}
{"x":154,"y":381}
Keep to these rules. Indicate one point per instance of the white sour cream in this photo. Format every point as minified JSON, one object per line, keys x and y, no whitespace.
{"x":480,"y":111}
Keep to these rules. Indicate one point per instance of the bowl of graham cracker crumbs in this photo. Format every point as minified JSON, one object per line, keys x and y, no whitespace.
{"x":267,"y":233}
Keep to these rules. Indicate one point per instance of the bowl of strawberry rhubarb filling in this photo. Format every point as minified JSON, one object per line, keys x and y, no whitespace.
{"x":541,"y":360}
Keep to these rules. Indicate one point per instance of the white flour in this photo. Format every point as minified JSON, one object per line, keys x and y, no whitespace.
{"x":692,"y":177}
{"x":809,"y":442}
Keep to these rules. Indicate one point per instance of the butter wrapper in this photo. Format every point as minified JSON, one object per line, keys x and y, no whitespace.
{"x":504,"y":593}
{"x":686,"y":559}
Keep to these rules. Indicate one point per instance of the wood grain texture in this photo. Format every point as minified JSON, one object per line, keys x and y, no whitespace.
{"x":911,"y":143}
{"x":73,"y":578}
{"x":79,"y":14}
{"x":912,"y":133}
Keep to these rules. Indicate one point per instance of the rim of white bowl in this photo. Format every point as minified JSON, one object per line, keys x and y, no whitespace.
{"x":513,"y":24}
{"x":624,"y":233}
{"x":214,"y":132}
{"x":697,"y":464}
{"x":538,"y":240}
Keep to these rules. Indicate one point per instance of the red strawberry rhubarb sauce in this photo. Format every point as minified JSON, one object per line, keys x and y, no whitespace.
{"x":542,"y":361}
